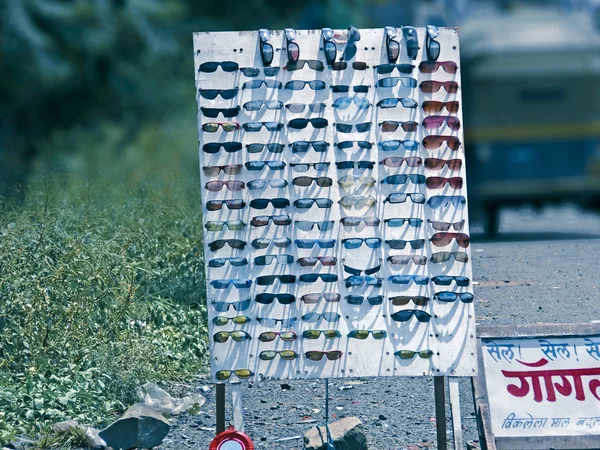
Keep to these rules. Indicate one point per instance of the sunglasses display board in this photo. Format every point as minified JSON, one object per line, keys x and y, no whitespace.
{"x":336,"y":236}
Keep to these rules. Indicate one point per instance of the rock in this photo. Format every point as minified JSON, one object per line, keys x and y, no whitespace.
{"x":94,"y":439}
{"x":347,"y":434}
{"x":160,"y":400}
{"x":67,"y":426}
{"x":140,"y":427}
{"x":91,"y":433}
{"x":285,"y":387}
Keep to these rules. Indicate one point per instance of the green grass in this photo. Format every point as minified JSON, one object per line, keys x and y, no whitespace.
{"x":101,"y":277}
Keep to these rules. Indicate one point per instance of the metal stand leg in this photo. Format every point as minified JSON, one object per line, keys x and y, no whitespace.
{"x":238,"y":407}
{"x":220,"y":407}
{"x":440,"y":412}
{"x":329,"y":438}
{"x":455,"y":409}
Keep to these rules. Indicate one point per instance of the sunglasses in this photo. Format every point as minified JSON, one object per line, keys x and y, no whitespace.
{"x":237,"y":336}
{"x":445,"y":226}
{"x":268,"y":280}
{"x":395,"y":222}
{"x":300,"y":124}
{"x":440,"y":182}
{"x":300,"y":107}
{"x":311,"y":261}
{"x":392,"y":45}
{"x":444,"y":238}
{"x":226,"y":66}
{"x":406,"y":259}
{"x":272,"y":147}
{"x":364,"y":334}
{"x":316,"y":334}
{"x":401,"y":198}
{"x":343,"y":145}
{"x":354,"y":243}
{"x":263,"y":203}
{"x":229,"y":147}
{"x":268,"y":355}
{"x":306,"y":203}
{"x":236,"y":282}
{"x":393,"y":102}
{"x":256,"y":105}
{"x":232,"y":185}
{"x":270,"y":322}
{"x":406,"y":279}
{"x":397,"y":161}
{"x":310,"y":243}
{"x":232,"y":225}
{"x":435,"y":163}
{"x":412,"y":43}
{"x":267,"y":299}
{"x":406,"y":314}
{"x":432,"y":106}
{"x":440,"y":257}
{"x":313,"y":64}
{"x":343,"y":165}
{"x":229,"y":169}
{"x":357,"y":201}
{"x":307,"y":225}
{"x":409,"y":354}
{"x":214,"y":112}
{"x":431,"y":86}
{"x":298,"y":85}
{"x":446,"y":296}
{"x":267,"y":260}
{"x":275,"y":183}
{"x":353,"y":271}
{"x":304,"y":146}
{"x":356,"y":221}
{"x":307,"y":181}
{"x":328,"y":316}
{"x":345,"y":102}
{"x":403,"y":178}
{"x":433,"y":122}
{"x":242,"y":374}
{"x":347,"y":128}
{"x":211,"y":94}
{"x":394,"y":144}
{"x":403,"y":300}
{"x":212,"y":127}
{"x":392,"y":125}
{"x":311,"y":299}
{"x":257,"y":126}
{"x":252,"y":72}
{"x":262,"y":243}
{"x":358,"y":280}
{"x":216,"y":205}
{"x":260,"y":165}
{"x":383,"y":69}
{"x":434,"y":142}
{"x":233,"y":243}
{"x":349,"y":181}
{"x":238,"y":306}
{"x":222,"y":320}
{"x":303,"y":167}
{"x":270,"y":336}
{"x":393,"y":81}
{"x":235,"y":261}
{"x":316,"y":355}
{"x":359,"y":89}
{"x":313,"y":277}
{"x":446,"y":280}
{"x":458,"y":201}
{"x":400,"y":244}
{"x":433,"y":66}
{"x":359,"y":299}
{"x":343,"y":65}
{"x":257,"y":84}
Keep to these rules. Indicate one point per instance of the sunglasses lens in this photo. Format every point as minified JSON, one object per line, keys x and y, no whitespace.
{"x":314,"y":355}
{"x":266,"y":51}
{"x":359,"y":334}
{"x":229,"y":126}
{"x":311,"y":334}
{"x":267,"y":336}
{"x":393,"y":50}
{"x":379,"y":334}
{"x":220,"y":320}
{"x":267,"y":355}
{"x":288,"y":354}
{"x":330,"y":55}
{"x":405,"y":354}
{"x":425,"y":354}
{"x":452,"y":107}
{"x":428,"y":67}
{"x":221,"y":336}
{"x":223,"y":374}
{"x":333,"y":355}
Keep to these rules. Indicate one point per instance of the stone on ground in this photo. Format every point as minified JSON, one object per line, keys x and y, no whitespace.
{"x":347,"y":434}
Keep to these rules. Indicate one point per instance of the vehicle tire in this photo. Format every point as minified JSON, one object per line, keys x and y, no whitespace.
{"x":491,"y":224}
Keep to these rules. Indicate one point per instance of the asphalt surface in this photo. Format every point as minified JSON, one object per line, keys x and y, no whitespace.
{"x":542,"y":268}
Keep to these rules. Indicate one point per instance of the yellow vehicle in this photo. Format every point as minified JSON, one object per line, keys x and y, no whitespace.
{"x":531,"y":95}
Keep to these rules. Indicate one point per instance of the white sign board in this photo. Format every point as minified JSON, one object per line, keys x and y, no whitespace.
{"x":392,"y":249}
{"x":543,"y":386}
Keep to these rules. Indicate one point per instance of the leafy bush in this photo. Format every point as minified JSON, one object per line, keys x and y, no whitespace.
{"x":101,"y":278}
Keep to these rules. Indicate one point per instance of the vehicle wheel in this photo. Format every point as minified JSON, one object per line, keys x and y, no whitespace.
{"x":492,"y":221}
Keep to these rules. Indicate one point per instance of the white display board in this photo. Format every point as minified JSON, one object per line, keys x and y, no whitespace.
{"x":450,"y":332}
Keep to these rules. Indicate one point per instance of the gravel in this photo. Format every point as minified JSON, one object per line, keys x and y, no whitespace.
{"x":541,"y":269}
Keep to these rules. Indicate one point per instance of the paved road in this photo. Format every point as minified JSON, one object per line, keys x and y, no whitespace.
{"x":542,"y":268}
